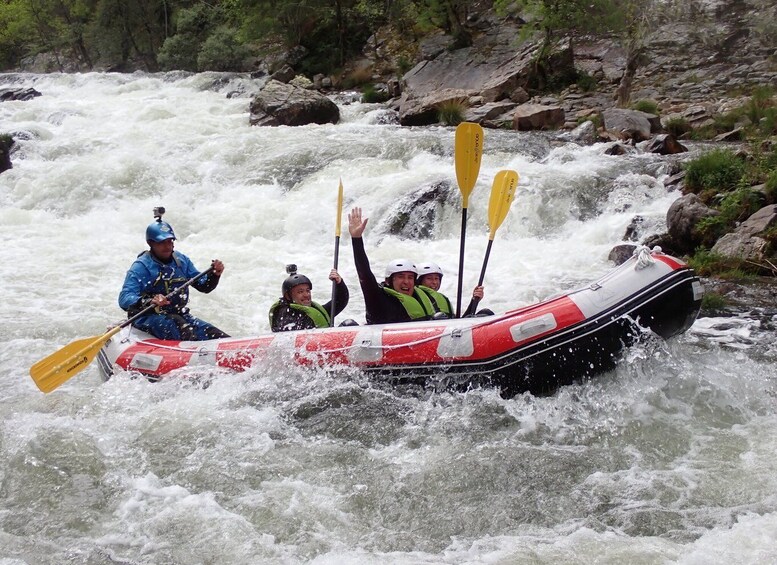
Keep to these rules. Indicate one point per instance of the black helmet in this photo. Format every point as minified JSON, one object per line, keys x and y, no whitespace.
{"x":293,"y":280}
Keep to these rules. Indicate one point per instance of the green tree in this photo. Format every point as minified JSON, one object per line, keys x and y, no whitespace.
{"x":448,"y":15}
{"x":552,"y":19}
{"x":16,"y":32}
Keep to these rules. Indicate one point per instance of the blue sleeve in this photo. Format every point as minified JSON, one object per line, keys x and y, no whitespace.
{"x":136,"y":281}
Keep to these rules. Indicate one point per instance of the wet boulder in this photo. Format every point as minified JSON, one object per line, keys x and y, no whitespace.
{"x":631,"y":124}
{"x":414,"y":217}
{"x":6,"y":143}
{"x":538,"y":117}
{"x":24,"y":94}
{"x":665,"y":144}
{"x":681,"y":220}
{"x":745,"y":242}
{"x":279,"y":104}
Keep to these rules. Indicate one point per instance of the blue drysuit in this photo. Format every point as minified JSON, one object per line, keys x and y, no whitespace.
{"x":148,"y":276}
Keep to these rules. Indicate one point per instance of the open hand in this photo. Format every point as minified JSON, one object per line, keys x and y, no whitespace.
{"x":355,"y":223}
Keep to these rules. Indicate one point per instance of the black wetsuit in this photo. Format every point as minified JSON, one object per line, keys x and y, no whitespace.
{"x":382,"y":308}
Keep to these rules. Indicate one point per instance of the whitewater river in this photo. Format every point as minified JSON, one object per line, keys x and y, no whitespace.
{"x":670,"y":459}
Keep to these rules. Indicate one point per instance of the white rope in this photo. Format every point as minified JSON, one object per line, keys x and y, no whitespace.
{"x":644,"y":258}
{"x":202,"y":351}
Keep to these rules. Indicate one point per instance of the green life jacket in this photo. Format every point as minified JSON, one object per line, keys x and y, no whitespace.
{"x":439,"y":300}
{"x":315,"y":312}
{"x":418,"y":306}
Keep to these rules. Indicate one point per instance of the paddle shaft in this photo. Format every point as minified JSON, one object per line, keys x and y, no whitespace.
{"x":462,"y":239}
{"x":168,"y":296}
{"x":334,"y":284}
{"x":475,"y":299}
{"x":338,"y":221}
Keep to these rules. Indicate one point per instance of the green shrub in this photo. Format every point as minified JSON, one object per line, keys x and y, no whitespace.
{"x":718,"y":170}
{"x":647,"y":106}
{"x":728,"y":121}
{"x":595,"y":119}
{"x":371,"y":95}
{"x":712,"y":301}
{"x":586,"y":82}
{"x":356,"y":78}
{"x":767,"y":125}
{"x":735,"y":207}
{"x":707,"y":264}
{"x":677,"y":126}
{"x":221,"y":52}
{"x":179,"y":53}
{"x":770,"y":187}
{"x":451,"y":112}
{"x":403,"y":65}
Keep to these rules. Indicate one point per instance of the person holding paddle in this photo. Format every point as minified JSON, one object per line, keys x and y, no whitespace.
{"x":430,"y":280}
{"x":397,"y":299}
{"x":296,"y":310}
{"x":158,"y":272}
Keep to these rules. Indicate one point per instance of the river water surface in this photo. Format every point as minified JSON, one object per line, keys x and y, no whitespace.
{"x":671,"y":458}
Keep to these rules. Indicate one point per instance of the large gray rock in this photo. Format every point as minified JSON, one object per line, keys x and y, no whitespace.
{"x":423,"y":110}
{"x":285,"y":104}
{"x":537,"y":116}
{"x":681,"y":220}
{"x":744,"y":242}
{"x":630,"y":124}
{"x":414,"y":216}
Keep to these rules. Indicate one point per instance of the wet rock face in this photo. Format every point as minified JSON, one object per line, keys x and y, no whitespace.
{"x":414,"y":217}
{"x":6,"y":143}
{"x":24,"y":94}
{"x":285,"y":104}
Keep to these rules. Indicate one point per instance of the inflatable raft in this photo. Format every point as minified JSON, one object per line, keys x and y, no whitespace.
{"x":536,"y":348}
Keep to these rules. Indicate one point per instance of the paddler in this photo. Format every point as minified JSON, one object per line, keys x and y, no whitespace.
{"x":430,"y":280}
{"x":157,"y":272}
{"x":296,"y":310}
{"x":396,"y":299}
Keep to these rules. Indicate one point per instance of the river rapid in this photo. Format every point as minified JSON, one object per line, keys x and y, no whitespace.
{"x":669,"y":459}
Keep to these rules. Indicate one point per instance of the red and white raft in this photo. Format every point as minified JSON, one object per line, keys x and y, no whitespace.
{"x":536,"y":348}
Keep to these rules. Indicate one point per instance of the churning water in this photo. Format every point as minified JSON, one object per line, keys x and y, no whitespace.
{"x":669,"y":459}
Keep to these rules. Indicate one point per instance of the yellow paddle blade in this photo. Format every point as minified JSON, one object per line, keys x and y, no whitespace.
{"x":467,"y":153}
{"x":339,"y":208}
{"x":502,"y":194}
{"x":52,"y":371}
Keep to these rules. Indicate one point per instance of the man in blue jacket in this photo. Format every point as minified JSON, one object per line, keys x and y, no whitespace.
{"x":157,"y":272}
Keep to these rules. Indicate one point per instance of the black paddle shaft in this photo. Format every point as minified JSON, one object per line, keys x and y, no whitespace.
{"x":334,"y":284}
{"x":461,"y":260}
{"x":168,"y":296}
{"x":475,"y":300}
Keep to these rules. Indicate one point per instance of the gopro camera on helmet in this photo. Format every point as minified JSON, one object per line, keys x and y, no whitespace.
{"x":291,"y":268}
{"x":159,"y":212}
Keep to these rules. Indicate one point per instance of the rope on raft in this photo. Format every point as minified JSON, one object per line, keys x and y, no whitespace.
{"x":202,"y":351}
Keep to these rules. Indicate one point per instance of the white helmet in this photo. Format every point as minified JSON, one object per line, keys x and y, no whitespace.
{"x":400,"y":266}
{"x":429,"y":268}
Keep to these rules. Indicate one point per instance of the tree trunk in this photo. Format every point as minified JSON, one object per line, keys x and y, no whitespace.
{"x":623,"y":92}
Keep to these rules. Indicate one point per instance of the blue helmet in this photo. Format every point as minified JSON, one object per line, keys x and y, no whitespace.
{"x":159,"y":231}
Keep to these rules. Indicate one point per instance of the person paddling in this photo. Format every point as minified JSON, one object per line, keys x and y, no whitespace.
{"x":158,"y":271}
{"x":430,"y":280}
{"x":397,"y":299}
{"x":295,"y":310}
